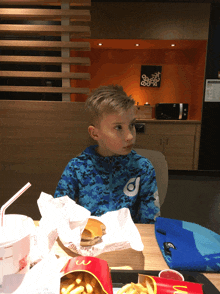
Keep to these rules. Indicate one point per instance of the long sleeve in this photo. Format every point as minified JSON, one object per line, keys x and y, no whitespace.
{"x":68,"y":183}
{"x":102,"y":184}
{"x":149,"y":207}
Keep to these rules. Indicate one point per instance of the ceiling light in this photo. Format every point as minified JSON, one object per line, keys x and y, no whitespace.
{"x":137,"y":45}
{"x":173,"y":45}
{"x":100,"y":44}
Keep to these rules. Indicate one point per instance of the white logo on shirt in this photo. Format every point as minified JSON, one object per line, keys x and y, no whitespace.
{"x":132,"y":187}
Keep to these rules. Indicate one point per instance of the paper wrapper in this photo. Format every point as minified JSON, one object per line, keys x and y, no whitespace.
{"x":43,"y":278}
{"x":64,"y":218}
{"x":169,"y":286}
{"x":97,"y":267}
{"x":60,"y":217}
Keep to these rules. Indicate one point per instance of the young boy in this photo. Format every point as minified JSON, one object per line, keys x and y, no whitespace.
{"x":110,"y":175}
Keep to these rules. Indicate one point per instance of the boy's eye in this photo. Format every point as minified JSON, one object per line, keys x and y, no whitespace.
{"x":119,"y":127}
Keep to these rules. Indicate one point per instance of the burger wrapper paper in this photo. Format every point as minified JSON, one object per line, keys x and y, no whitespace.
{"x":43,"y":278}
{"x":60,"y":217}
{"x":63,"y":218}
{"x":169,"y":286}
{"x":97,"y":267}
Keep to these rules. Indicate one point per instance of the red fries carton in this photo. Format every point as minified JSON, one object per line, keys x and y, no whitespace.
{"x":169,"y":286}
{"x":92,"y":271}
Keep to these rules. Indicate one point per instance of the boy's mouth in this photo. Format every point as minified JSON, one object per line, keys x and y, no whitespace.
{"x":128,"y":147}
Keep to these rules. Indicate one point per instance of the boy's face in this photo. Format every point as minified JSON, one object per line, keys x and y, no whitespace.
{"x":115,"y":133}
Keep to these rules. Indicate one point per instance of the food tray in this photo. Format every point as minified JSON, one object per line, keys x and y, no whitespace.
{"x":122,"y":277}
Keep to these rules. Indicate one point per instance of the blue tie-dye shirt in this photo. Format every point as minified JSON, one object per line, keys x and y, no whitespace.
{"x":103,"y":184}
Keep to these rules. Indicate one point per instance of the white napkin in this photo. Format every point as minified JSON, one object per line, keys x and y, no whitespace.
{"x":43,"y":278}
{"x":64,"y":218}
{"x":60,"y":217}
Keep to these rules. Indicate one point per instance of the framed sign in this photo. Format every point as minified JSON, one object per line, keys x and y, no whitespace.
{"x":150,"y":75}
{"x":212,"y":91}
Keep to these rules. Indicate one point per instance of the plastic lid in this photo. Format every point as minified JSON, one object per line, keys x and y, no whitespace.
{"x":16,"y":227}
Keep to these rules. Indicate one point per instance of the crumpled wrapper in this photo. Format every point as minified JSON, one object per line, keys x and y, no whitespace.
{"x":60,"y":217}
{"x":43,"y":278}
{"x":64,"y":218}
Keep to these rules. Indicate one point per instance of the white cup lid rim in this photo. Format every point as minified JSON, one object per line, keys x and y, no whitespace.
{"x":26,"y":230}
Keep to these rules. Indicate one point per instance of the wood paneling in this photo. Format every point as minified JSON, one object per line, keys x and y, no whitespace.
{"x":19,"y":27}
{"x":37,"y":141}
{"x":40,"y":74}
{"x":45,"y":60}
{"x":41,"y":14}
{"x":44,"y":45}
{"x":44,"y":89}
{"x":171,"y":128}
{"x":51,"y":30}
{"x":177,"y":140}
{"x":47,"y":2}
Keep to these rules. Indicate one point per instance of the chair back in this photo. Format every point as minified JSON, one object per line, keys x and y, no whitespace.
{"x":159,"y":163}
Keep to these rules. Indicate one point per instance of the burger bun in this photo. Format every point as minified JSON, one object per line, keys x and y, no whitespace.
{"x":93,"y":232}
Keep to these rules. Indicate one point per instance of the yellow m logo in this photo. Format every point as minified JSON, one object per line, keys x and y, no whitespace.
{"x":83,"y":262}
{"x":178,"y":291}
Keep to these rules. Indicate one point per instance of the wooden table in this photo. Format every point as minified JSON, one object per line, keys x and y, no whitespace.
{"x":149,"y":259}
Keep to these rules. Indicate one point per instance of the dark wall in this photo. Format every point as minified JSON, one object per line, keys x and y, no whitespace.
{"x":194,"y":197}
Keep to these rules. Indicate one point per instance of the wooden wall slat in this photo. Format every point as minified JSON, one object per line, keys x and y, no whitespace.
{"x":38,"y":139}
{"x":44,"y":45}
{"x":45,"y":14}
{"x":41,"y":74}
{"x":45,"y":60}
{"x":52,"y":30}
{"x":66,"y":30}
{"x":38,"y":110}
{"x":28,"y":128}
{"x":30,"y":89}
{"x":46,"y":2}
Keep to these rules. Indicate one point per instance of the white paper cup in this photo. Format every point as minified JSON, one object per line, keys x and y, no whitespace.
{"x":14,"y":249}
{"x":171,"y":274}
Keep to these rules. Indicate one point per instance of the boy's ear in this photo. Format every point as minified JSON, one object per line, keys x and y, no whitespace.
{"x":93,"y":132}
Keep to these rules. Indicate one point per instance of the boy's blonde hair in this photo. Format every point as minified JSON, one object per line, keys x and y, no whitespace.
{"x":107,"y":99}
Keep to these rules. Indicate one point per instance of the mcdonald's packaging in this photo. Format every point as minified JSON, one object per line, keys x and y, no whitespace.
{"x":84,"y":272}
{"x":169,"y":286}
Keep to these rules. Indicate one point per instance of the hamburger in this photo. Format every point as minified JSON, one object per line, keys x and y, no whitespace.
{"x":93,"y":232}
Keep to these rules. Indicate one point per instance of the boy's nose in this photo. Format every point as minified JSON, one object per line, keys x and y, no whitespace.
{"x":129,"y":136}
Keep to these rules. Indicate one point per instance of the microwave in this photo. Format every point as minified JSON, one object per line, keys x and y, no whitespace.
{"x":177,"y":111}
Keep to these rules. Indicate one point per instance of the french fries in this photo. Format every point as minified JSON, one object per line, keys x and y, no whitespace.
{"x":138,"y":288}
{"x":80,"y":283}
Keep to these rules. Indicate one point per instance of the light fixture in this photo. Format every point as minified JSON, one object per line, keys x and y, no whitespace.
{"x":137,"y":45}
{"x":100,"y":44}
{"x":173,"y":45}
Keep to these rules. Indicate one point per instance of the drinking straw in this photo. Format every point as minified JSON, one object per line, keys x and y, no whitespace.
{"x":11,"y":200}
